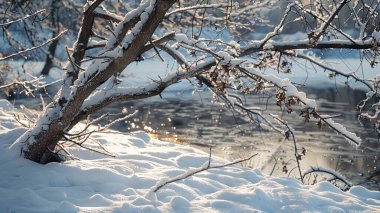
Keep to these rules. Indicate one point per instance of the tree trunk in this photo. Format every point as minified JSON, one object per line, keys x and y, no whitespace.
{"x":40,"y":141}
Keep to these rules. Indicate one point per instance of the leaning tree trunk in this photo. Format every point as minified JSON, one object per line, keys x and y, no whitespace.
{"x":40,"y":141}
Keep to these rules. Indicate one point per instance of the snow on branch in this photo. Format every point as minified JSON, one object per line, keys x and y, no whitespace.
{"x":234,"y":102}
{"x":102,"y":12}
{"x":223,"y":64}
{"x":291,"y":91}
{"x":255,"y":47}
{"x":104,"y":97}
{"x":112,"y":49}
{"x":277,"y":29}
{"x":310,"y":104}
{"x":80,"y":83}
{"x":340,"y":129}
{"x":130,"y":20}
{"x":285,"y":84}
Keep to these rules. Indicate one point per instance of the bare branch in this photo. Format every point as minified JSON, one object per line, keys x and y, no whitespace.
{"x":196,"y":7}
{"x":22,"y":18}
{"x":337,"y":72}
{"x":291,"y":132}
{"x":35,"y":47}
{"x":205,"y":167}
{"x":325,"y":25}
{"x":335,"y":174}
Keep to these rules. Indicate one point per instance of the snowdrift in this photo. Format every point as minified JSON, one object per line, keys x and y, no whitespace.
{"x":98,"y":183}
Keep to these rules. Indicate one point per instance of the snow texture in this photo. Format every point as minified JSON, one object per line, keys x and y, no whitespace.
{"x":98,"y":183}
{"x":103,"y":11}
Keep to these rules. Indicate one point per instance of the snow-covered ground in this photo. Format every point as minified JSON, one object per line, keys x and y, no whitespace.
{"x":98,"y":183}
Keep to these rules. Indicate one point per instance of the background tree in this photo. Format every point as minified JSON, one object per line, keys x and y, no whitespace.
{"x":62,"y":14}
{"x":28,"y":86}
{"x":52,"y":18}
{"x":230,"y":66}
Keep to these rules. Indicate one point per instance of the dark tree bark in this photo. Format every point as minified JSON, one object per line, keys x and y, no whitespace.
{"x":41,"y":140}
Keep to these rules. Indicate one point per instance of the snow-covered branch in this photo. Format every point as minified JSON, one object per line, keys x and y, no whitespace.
{"x":310,"y":106}
{"x":79,"y":84}
{"x":102,"y":12}
{"x":102,"y":98}
{"x":305,"y":44}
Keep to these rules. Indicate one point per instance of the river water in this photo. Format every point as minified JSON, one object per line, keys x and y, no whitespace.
{"x":193,"y":119}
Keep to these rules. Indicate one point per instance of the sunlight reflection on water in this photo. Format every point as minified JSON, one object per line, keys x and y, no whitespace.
{"x":195,"y":120}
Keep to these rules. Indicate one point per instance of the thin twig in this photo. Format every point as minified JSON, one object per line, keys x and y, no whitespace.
{"x":207,"y":167}
{"x":155,"y":49}
{"x":290,"y":131}
{"x":35,"y":47}
{"x":22,"y":18}
{"x":336,"y":176}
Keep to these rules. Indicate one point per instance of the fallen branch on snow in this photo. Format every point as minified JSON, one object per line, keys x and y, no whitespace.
{"x":192,"y":172}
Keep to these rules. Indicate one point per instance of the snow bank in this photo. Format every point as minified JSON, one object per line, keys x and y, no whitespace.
{"x":104,"y":184}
